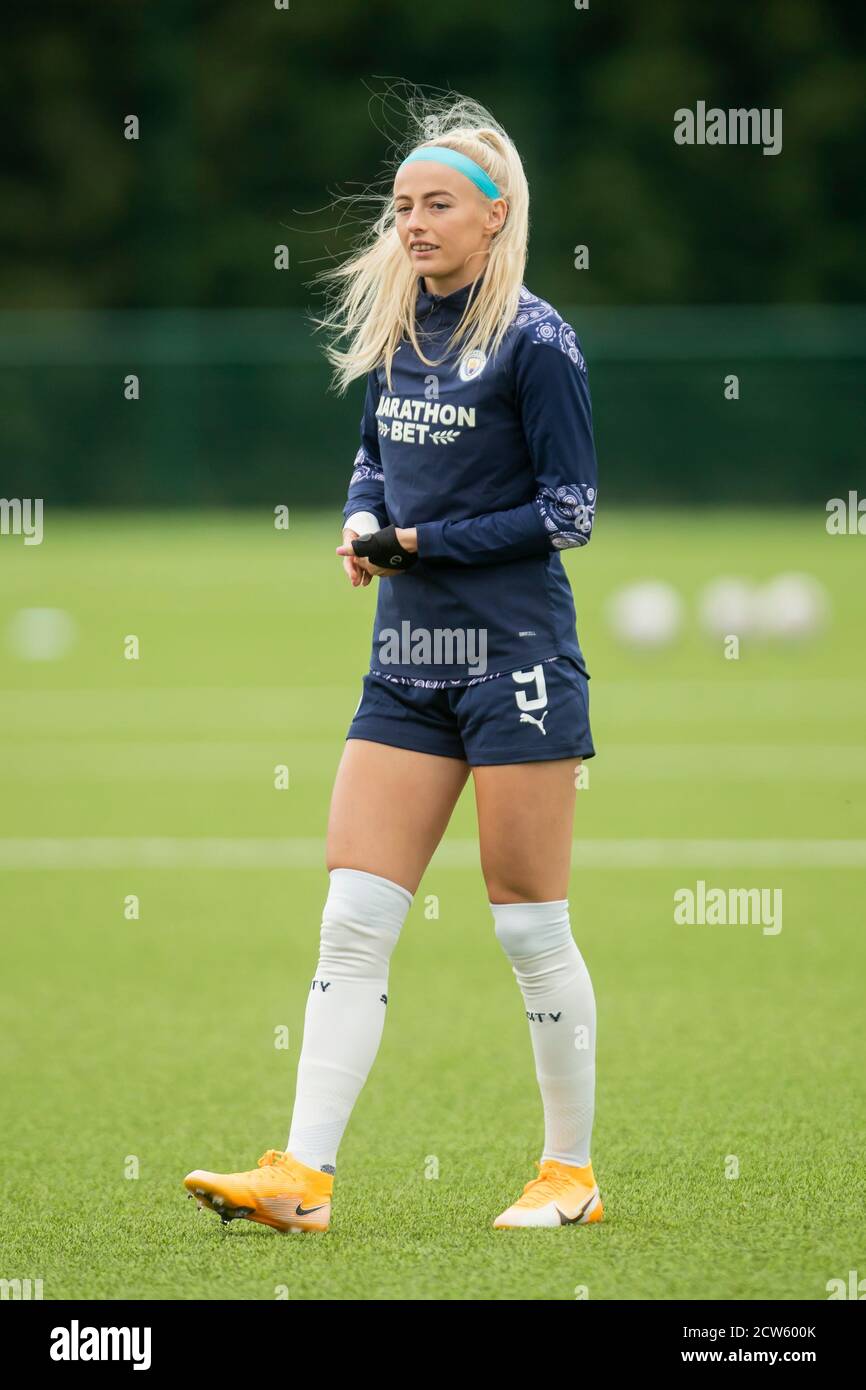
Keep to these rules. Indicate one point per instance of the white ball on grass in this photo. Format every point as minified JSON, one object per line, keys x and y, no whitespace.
{"x":646,"y":614}
{"x":40,"y":634}
{"x":729,"y":606}
{"x":792,"y":607}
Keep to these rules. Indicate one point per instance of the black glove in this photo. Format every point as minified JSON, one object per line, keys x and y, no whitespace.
{"x":383,"y":549}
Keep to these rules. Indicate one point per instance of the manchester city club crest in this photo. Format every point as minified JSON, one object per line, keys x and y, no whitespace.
{"x":472,"y":365}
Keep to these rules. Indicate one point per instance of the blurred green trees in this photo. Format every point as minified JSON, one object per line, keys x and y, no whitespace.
{"x":252,"y":117}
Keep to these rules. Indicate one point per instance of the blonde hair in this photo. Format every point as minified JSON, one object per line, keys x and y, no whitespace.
{"x":374,"y":303}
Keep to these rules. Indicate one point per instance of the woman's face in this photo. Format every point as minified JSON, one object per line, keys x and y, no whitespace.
{"x":444,"y":223}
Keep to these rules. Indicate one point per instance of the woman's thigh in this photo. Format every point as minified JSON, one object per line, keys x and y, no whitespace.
{"x":389,"y":809}
{"x":525,"y":828}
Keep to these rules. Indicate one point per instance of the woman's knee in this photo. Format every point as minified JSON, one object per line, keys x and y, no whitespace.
{"x":361,"y":922}
{"x":525,"y":883}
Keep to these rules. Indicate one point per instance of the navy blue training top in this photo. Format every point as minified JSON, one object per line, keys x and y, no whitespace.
{"x":493,"y":461}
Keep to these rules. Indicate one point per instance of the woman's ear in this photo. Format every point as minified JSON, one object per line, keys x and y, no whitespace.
{"x":498,"y":229}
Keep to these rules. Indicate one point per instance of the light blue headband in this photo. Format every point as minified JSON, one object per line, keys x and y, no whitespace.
{"x":443,"y":154}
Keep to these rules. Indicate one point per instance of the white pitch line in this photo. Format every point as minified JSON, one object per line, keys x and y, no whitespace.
{"x":202,"y":760}
{"x":210,"y":853}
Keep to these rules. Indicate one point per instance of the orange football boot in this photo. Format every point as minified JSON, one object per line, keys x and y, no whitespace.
{"x":281,"y":1192}
{"x":561,"y":1195}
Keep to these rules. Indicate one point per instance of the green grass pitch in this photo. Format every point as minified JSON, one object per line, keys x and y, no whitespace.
{"x":147,"y":1046}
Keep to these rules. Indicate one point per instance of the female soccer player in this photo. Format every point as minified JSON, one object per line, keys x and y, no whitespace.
{"x":476,"y":468}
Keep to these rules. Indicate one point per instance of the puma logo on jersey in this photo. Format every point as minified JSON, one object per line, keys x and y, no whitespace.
{"x":529,"y":719}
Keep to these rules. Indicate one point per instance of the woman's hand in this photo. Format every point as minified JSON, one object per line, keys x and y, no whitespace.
{"x":359,"y":568}
{"x":353,"y":564}
{"x":407,"y":536}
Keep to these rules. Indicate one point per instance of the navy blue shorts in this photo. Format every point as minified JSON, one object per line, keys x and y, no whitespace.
{"x":527,"y":716}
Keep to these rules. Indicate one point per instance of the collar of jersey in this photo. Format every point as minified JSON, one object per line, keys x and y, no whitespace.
{"x":447,"y":305}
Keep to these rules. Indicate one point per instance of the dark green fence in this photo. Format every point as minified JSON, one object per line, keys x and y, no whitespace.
{"x":235,"y":409}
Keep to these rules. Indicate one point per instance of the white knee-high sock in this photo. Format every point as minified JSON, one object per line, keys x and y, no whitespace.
{"x":560,"y":1007}
{"x":345,"y":1012}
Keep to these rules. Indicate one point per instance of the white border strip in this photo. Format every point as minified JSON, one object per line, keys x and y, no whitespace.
{"x":208,"y":853}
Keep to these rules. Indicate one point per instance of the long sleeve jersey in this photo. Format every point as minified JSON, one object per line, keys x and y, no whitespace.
{"x":493,"y":461}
